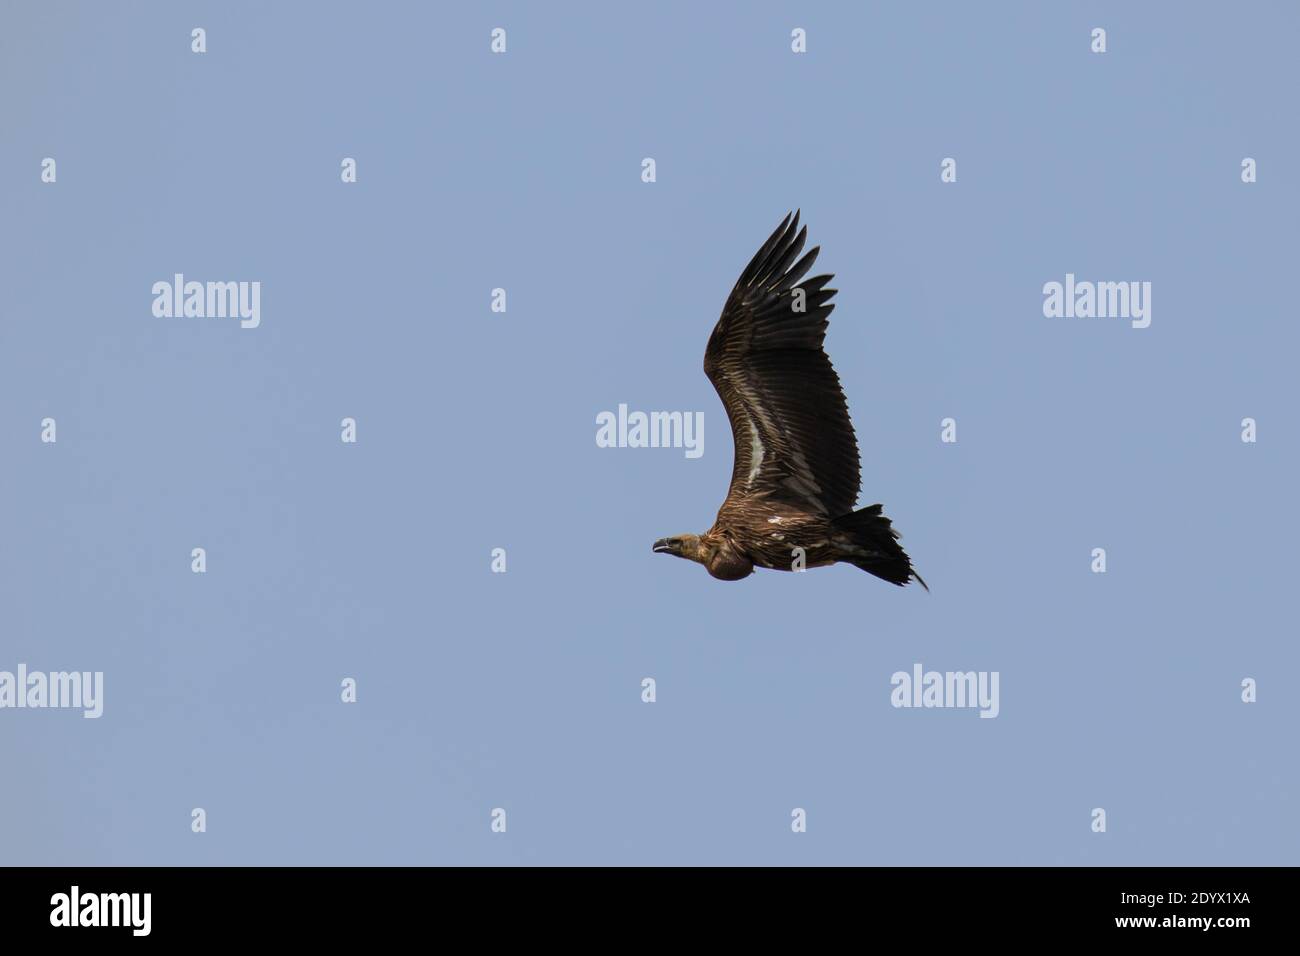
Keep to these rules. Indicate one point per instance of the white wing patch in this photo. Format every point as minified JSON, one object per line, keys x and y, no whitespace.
{"x":801,"y":482}
{"x":755,"y":453}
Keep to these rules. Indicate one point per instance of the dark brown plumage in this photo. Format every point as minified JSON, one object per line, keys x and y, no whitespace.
{"x":795,"y":478}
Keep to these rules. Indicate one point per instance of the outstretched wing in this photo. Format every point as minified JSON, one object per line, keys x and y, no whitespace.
{"x":789,"y":420}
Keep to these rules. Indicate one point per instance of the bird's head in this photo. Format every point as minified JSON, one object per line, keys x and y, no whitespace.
{"x":682,"y":545}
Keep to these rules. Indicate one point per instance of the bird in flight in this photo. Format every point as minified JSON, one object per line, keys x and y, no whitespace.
{"x":795,"y":478}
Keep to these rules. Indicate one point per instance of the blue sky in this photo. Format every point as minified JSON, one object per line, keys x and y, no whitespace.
{"x":476,"y":430}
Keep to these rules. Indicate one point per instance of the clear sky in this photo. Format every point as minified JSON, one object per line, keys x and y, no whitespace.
{"x":476,"y":430}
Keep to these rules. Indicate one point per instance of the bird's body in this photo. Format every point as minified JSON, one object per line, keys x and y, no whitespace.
{"x":796,"y":476}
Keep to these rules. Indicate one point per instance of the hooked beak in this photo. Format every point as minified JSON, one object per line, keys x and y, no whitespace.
{"x":662,"y":547}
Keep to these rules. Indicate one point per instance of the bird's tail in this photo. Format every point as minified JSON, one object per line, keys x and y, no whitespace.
{"x":875,"y":546}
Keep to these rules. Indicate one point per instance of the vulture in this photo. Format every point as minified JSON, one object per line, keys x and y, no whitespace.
{"x":795,"y":477}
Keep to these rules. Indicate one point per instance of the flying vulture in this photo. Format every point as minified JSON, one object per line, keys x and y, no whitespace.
{"x":795,"y":478}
